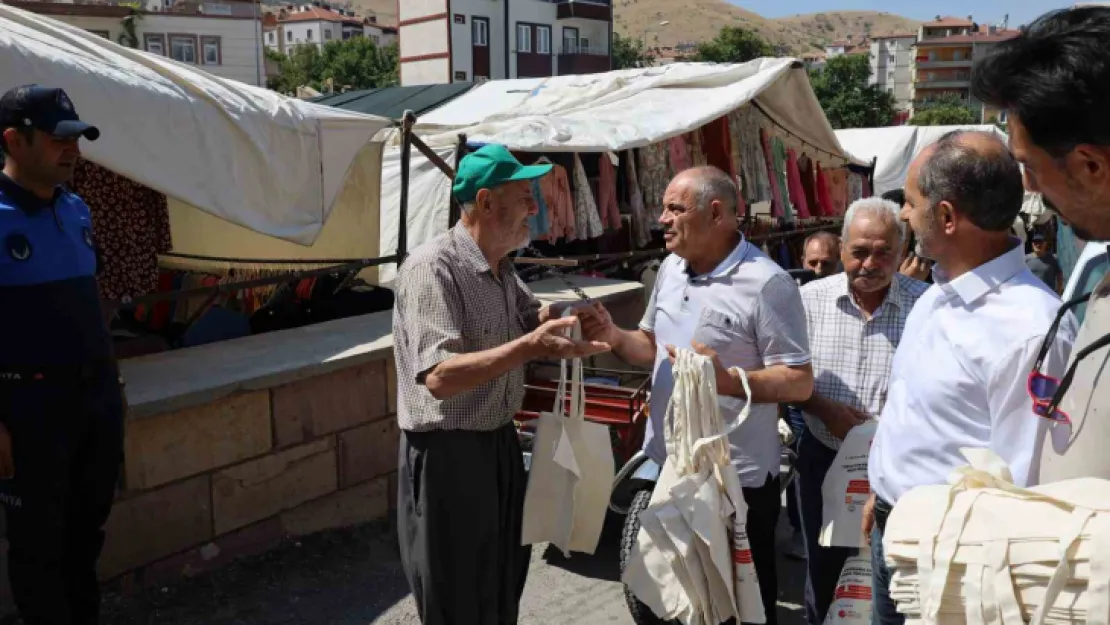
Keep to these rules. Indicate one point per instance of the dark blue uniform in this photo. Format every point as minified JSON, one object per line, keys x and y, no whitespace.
{"x":60,"y":399}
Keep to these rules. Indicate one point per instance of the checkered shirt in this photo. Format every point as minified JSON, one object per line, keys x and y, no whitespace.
{"x":448,"y":303}
{"x":852,"y":355}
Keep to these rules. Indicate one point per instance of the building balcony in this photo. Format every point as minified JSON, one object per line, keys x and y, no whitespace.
{"x":924,"y":103}
{"x":943,"y":64}
{"x":601,"y":10}
{"x":583,"y":60}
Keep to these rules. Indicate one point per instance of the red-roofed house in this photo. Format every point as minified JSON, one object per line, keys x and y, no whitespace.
{"x":317,"y":24}
{"x":945,"y":55}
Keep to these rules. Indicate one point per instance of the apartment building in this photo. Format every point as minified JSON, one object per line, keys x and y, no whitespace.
{"x":892,"y":59}
{"x":317,"y":24}
{"x":944,"y":58}
{"x":463,"y":40}
{"x":224,"y":40}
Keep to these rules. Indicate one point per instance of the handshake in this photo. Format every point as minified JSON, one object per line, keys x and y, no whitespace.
{"x":552,"y":338}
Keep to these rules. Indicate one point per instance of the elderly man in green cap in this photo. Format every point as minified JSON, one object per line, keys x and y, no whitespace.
{"x":464,"y":326}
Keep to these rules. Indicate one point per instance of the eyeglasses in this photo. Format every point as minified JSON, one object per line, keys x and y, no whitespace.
{"x":1046,"y":391}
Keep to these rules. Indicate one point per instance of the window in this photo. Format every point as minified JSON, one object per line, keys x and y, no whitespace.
{"x":570,"y":40}
{"x":183,"y":48}
{"x":543,"y":39}
{"x":271,"y":37}
{"x":480,"y":32}
{"x":210,"y":46}
{"x":308,"y":35}
{"x":523,"y":38}
{"x":584,"y":45}
{"x":376,"y":39}
{"x":155,"y":44}
{"x":327,"y":34}
{"x":460,"y":76}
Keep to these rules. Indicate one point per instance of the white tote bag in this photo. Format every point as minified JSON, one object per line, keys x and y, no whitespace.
{"x":852,"y":600}
{"x":571,"y":474}
{"x":846,"y":489}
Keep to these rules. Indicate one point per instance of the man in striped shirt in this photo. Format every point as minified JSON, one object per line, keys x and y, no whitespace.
{"x":855,"y":322}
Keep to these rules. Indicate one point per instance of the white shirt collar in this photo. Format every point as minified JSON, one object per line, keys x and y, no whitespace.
{"x":976,"y":283}
{"x":734,"y":258}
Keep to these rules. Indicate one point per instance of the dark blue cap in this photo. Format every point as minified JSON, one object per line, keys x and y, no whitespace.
{"x":48,"y":109}
{"x":1038,"y":238}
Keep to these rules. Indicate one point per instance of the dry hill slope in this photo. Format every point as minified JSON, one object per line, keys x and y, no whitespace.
{"x":699,"y":20}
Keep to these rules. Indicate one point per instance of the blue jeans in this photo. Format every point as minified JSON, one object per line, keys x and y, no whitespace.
{"x":883,"y":611}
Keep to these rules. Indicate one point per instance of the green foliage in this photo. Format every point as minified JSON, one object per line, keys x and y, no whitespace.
{"x":130,"y":37}
{"x":734,"y":45}
{"x":628,"y":52}
{"x":947,"y":110}
{"x":849,"y":102}
{"x":356,"y":63}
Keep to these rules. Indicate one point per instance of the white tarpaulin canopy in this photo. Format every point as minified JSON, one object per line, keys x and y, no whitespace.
{"x":630,"y":108}
{"x":272,"y":164}
{"x":614,"y":111}
{"x":895,"y":147}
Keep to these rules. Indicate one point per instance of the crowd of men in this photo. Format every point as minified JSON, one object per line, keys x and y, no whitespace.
{"x":986,"y":356}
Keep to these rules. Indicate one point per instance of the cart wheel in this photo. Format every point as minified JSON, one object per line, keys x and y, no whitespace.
{"x":641,"y":614}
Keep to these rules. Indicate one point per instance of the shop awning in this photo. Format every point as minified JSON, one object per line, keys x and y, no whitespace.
{"x":392,"y":102}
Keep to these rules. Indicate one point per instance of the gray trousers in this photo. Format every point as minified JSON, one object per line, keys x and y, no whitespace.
{"x":460,"y":505}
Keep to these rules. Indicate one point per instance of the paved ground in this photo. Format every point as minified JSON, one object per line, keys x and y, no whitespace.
{"x":353,"y":577}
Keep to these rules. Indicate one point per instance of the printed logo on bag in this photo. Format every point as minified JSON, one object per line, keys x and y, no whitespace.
{"x":742,"y":556}
{"x":19,"y":247}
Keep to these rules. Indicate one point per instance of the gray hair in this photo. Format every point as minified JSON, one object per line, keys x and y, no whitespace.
{"x":877,"y":208}
{"x":983,"y":185}
{"x":710,"y":183}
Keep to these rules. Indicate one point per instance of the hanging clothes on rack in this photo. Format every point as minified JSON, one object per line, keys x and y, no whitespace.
{"x":587,"y":222}
{"x":654,"y":177}
{"x":641,"y":228}
{"x":607,"y":192}
{"x":855,"y":187}
{"x":777,"y":205}
{"x":744,"y":128}
{"x":809,"y":184}
{"x":794,"y":182}
{"x":824,"y":199}
{"x":538,"y":224}
{"x":778,"y":151}
{"x":679,"y":151}
{"x":838,"y":190}
{"x":555,"y":188}
{"x":697,"y":150}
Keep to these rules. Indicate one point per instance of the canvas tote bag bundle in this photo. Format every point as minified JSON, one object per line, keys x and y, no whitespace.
{"x":983,"y":551}
{"x":692,"y":560}
{"x":572,"y":471}
{"x":846,"y":489}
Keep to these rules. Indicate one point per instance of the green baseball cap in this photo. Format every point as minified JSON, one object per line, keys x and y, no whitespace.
{"x":488,"y":167}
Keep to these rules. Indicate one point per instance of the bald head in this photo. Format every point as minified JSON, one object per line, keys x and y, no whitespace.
{"x":709,"y":184}
{"x":975,"y":174}
{"x":821,"y":253}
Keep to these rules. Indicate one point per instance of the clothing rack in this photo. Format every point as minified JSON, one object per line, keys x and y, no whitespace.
{"x":774,"y":122}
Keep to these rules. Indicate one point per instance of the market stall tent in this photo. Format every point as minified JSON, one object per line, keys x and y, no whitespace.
{"x":895,"y":147}
{"x":613,"y":111}
{"x":243,"y":158}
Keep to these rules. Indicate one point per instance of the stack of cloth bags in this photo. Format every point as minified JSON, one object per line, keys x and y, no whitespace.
{"x":983,"y":551}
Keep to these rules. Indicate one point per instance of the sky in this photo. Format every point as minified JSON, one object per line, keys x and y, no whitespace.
{"x":984,"y":11}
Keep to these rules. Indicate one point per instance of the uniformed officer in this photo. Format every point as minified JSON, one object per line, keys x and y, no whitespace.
{"x":61,"y":409}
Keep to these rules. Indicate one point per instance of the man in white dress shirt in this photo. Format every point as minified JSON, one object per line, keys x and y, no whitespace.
{"x":855,"y":320}
{"x":959,"y":375}
{"x":719,"y":295}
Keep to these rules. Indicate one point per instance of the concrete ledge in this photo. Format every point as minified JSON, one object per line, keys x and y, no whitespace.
{"x":185,"y":378}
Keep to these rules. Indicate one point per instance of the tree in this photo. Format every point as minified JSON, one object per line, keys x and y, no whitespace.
{"x":734,"y":45}
{"x":129,"y":37}
{"x":849,"y":102}
{"x":357,"y":63}
{"x":628,"y":52}
{"x":947,"y":110}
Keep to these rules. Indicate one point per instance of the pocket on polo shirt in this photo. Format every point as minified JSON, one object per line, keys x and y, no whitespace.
{"x":717,"y":329}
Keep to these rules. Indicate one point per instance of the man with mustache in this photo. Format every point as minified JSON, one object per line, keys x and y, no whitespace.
{"x":61,"y":406}
{"x":958,"y":378}
{"x":1053,"y":79}
{"x":464,"y":326}
{"x":855,"y":322}
{"x":719,"y":295}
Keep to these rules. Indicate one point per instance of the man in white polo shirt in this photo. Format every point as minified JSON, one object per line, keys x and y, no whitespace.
{"x":720,"y":295}
{"x":959,"y":375}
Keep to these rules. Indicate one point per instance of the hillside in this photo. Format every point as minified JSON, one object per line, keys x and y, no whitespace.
{"x":698,"y":20}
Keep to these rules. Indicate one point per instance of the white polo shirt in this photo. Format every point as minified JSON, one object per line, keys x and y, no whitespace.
{"x":749,"y":310}
{"x":960,"y":375}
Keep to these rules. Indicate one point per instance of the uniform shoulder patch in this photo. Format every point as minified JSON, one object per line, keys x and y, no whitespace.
{"x":18,"y":247}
